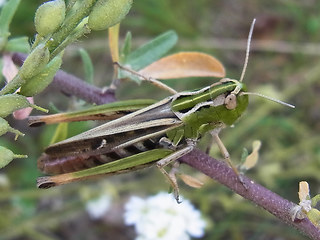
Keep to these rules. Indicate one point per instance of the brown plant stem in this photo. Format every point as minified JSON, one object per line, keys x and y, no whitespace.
{"x":270,"y":201}
{"x":73,"y":86}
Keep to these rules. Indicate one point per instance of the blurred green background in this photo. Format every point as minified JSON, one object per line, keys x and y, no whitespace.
{"x":284,"y":62}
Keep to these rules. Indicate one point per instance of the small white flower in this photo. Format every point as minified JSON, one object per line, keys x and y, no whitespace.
{"x":160,"y":218}
{"x":96,"y":208}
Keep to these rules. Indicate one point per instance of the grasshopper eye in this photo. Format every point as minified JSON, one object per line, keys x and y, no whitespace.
{"x":231,"y":101}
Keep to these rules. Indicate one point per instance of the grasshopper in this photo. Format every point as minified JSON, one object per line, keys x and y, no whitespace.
{"x":156,"y":134}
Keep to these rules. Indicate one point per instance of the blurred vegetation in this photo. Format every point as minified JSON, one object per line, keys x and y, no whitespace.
{"x":290,"y":138}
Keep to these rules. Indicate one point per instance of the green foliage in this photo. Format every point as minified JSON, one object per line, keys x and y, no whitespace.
{"x":6,"y":16}
{"x":87,"y":64}
{"x":151,"y":51}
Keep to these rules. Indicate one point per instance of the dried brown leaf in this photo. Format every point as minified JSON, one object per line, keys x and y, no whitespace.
{"x":184,"y":64}
{"x":191,"y":181}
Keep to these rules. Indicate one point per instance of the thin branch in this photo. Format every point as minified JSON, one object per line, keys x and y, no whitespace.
{"x":71,"y":85}
{"x":270,"y":201}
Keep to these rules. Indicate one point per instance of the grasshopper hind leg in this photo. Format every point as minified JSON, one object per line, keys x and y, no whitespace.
{"x":171,"y":175}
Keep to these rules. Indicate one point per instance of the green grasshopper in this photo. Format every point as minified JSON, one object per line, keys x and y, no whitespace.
{"x":156,"y":134}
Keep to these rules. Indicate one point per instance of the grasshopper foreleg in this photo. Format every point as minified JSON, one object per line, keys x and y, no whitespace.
{"x":226,"y":154}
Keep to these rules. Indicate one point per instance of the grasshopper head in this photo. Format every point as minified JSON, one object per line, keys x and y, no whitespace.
{"x":230,"y":101}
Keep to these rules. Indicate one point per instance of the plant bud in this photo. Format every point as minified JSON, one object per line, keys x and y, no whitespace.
{"x":106,"y":13}
{"x":49,"y":16}
{"x":38,"y":83}
{"x":35,"y":62}
{"x":12,"y":102}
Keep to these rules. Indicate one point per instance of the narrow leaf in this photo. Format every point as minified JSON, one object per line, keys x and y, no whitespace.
{"x":6,"y":16}
{"x":126,"y":47}
{"x":185,"y":64}
{"x":61,"y":133}
{"x":151,"y":51}
{"x":87,"y":64}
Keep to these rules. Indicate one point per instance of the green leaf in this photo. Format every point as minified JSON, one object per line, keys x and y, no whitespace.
{"x":6,"y":16}
{"x":19,"y":44}
{"x":87,"y":64}
{"x":126,"y":47}
{"x":151,"y":51}
{"x":60,"y":133}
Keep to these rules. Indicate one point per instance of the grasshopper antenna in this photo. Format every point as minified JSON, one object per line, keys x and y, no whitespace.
{"x":248,"y":50}
{"x":245,"y":67}
{"x":269,"y":98}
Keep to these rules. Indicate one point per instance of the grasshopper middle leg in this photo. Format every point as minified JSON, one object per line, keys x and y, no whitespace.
{"x":226,"y":155}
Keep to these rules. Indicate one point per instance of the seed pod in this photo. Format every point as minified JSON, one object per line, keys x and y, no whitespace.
{"x":38,"y":83}
{"x":6,"y":156}
{"x":107,"y":13}
{"x":12,"y":102}
{"x":5,"y":127}
{"x":49,"y":16}
{"x":35,"y":62}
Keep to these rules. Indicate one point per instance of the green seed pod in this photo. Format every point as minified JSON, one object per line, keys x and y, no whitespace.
{"x":35,"y":62}
{"x":38,"y":83}
{"x":5,"y":127}
{"x":6,"y":156}
{"x":12,"y":102}
{"x":49,"y":16}
{"x":106,"y":13}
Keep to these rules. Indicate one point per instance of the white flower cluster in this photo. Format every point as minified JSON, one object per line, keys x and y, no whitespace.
{"x":160,"y":217}
{"x":2,"y":2}
{"x":98,"y":207}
